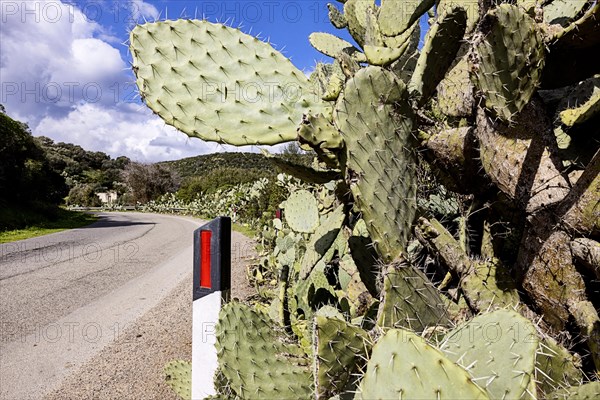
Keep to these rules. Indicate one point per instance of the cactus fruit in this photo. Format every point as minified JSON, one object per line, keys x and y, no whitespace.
{"x":178,"y":375}
{"x":509,"y":61}
{"x":499,"y":351}
{"x":341,"y":349}
{"x":403,"y":366}
{"x":219,"y":84}
{"x":301,"y":211}
{"x":256,"y":358}
{"x":409,"y":300}
{"x":442,"y":42}
{"x":380,"y":155}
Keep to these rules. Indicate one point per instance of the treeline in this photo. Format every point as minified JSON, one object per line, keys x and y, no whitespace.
{"x":37,"y":175}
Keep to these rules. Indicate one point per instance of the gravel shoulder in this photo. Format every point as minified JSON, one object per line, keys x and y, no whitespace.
{"x":131,"y":367}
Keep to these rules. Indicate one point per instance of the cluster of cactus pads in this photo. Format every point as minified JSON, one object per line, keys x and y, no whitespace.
{"x":373,"y":296}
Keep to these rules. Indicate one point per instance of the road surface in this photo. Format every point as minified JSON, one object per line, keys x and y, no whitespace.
{"x":65,"y":296}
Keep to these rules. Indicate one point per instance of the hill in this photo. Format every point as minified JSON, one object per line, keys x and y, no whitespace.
{"x":204,"y":164}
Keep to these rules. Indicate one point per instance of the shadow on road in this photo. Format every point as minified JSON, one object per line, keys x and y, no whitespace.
{"x":113,"y":221}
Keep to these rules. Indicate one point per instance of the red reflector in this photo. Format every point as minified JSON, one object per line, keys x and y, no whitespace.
{"x":205,"y":237}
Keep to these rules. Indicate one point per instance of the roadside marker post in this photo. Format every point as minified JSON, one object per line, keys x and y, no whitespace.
{"x":211,"y":288}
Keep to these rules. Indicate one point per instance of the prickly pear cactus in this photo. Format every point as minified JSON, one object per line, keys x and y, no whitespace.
{"x":588,"y":391}
{"x":409,"y":300}
{"x":509,"y":60}
{"x":301,"y":212}
{"x":178,"y":375}
{"x":499,"y":351}
{"x":219,"y":84}
{"x":257,"y":359}
{"x":441,"y":46}
{"x":341,"y":349}
{"x":403,"y":365}
{"x":381,"y":160}
{"x":503,"y":99}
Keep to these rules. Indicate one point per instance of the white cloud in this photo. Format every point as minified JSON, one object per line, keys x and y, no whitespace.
{"x":141,"y":10}
{"x":64,"y":75}
{"x":131,"y":130}
{"x":61,"y":74}
{"x":51,"y":60}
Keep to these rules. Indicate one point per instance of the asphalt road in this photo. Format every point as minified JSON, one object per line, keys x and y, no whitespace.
{"x":65,"y":296}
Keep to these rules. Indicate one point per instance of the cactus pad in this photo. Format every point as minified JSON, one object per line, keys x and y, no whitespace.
{"x":409,"y":300}
{"x":332,"y":46}
{"x":336,"y":17}
{"x":455,"y":91}
{"x":320,"y":242}
{"x":404,"y":366}
{"x":395,"y":16}
{"x":301,"y":171}
{"x":319,"y":133}
{"x":178,"y":375}
{"x":563,"y":12}
{"x":556,"y":367}
{"x":256,"y":359}
{"x":509,"y":61}
{"x":589,"y":391}
{"x":340,"y":350}
{"x":356,"y":15}
{"x":442,"y":43}
{"x":301,"y":211}
{"x":499,"y":350}
{"x":582,"y":103}
{"x":329,"y":79}
{"x":219,"y":84}
{"x":381,"y":159}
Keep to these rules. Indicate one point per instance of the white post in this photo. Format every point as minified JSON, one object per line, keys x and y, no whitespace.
{"x":212,"y":283}
{"x":204,"y":355}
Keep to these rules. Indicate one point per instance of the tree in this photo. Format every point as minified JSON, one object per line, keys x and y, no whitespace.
{"x":148,"y":181}
{"x":25,"y":173}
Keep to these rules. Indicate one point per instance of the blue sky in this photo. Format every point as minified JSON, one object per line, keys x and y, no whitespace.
{"x":64,"y":66}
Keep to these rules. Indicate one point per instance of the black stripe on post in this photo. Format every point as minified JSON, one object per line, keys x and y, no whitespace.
{"x":212,"y":257}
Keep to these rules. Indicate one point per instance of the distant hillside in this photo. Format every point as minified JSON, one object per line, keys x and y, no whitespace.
{"x":202,"y":165}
